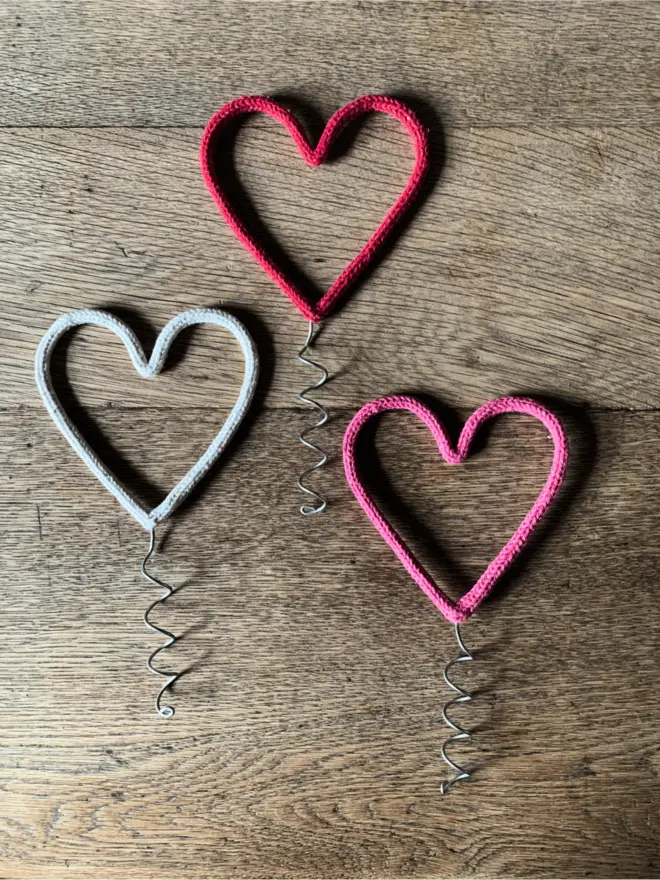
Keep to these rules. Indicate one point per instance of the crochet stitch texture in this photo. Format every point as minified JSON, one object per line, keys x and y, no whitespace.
{"x":315,"y":156}
{"x":148,"y":370}
{"x":457,"y":612}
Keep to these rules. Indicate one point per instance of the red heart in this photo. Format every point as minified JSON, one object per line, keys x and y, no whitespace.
{"x":317,"y":156}
{"x":456,"y":612}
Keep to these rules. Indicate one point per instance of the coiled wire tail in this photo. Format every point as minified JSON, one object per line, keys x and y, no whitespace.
{"x":317,"y":502}
{"x":459,"y":733}
{"x":163,"y":711}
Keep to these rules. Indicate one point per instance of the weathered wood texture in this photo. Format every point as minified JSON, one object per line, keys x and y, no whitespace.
{"x":110,"y":63}
{"x":308,"y":728}
{"x":533,"y":259}
{"x":307,"y":737}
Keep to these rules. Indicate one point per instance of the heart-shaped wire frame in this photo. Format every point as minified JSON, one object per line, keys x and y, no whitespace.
{"x":148,"y":519}
{"x":457,"y":612}
{"x":315,"y":156}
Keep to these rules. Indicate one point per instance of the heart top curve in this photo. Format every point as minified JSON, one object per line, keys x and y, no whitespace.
{"x":146,"y":369}
{"x":457,"y":612}
{"x":315,"y":156}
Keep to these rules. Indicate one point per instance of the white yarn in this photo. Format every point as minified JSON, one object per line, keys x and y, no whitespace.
{"x":147,"y":369}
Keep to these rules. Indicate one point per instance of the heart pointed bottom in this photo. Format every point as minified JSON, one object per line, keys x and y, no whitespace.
{"x":457,"y":612}
{"x":148,"y":519}
{"x":315,"y":156}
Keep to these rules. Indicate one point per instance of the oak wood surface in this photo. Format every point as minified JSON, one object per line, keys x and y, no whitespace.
{"x":67,"y":62}
{"x":307,"y":737}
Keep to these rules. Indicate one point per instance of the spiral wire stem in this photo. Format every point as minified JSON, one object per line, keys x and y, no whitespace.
{"x":317,"y":503}
{"x":459,"y":733}
{"x":163,"y":711}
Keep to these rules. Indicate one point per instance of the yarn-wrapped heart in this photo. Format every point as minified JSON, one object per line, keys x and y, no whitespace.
{"x":315,"y":156}
{"x":456,"y":612}
{"x":146,"y":369}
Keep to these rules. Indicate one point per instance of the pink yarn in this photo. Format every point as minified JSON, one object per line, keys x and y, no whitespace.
{"x":456,"y":612}
{"x":316,"y":156}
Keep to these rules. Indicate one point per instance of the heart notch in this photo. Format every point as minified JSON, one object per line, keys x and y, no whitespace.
{"x":315,"y":156}
{"x":457,"y":612}
{"x":148,"y":519}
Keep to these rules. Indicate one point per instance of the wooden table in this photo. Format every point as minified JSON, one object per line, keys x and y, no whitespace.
{"x":307,"y":737}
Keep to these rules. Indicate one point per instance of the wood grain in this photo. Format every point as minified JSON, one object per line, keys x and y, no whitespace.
{"x":67,"y":62}
{"x":532,"y":264}
{"x":309,"y":722}
{"x":308,"y":726}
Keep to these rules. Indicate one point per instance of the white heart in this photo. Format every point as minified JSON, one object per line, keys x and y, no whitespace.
{"x":147,"y":369}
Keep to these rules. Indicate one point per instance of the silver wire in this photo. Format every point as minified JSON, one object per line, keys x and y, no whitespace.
{"x":318,"y":503}
{"x":163,"y":711}
{"x":459,"y":732}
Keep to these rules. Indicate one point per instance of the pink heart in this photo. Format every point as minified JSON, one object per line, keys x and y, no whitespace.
{"x":456,"y":612}
{"x":316,"y":156}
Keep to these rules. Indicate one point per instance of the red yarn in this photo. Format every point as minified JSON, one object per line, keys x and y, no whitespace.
{"x":316,"y":156}
{"x":456,"y":612}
